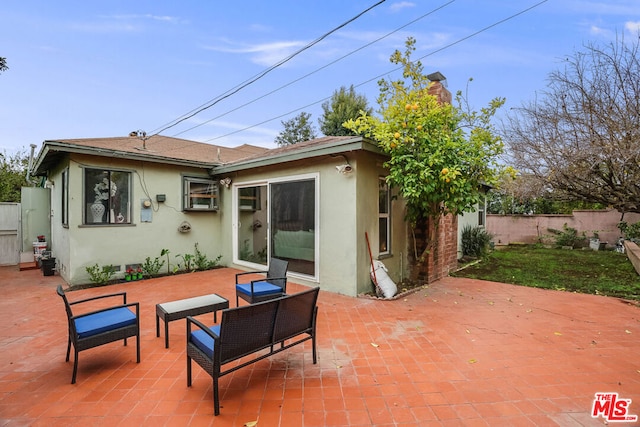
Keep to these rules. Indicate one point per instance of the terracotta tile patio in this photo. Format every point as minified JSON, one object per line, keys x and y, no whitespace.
{"x":460,"y":353}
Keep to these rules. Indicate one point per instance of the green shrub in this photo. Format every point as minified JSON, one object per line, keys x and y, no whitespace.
{"x":475,"y":241}
{"x":151,"y":267}
{"x":100,"y":275}
{"x":202,"y":262}
{"x":568,"y":237}
{"x":631,"y":232}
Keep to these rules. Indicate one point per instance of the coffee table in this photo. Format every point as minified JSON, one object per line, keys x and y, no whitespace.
{"x":180,"y":309}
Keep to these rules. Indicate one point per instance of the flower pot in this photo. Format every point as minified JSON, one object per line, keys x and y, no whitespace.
{"x":139,"y":276}
{"x":127,"y":277}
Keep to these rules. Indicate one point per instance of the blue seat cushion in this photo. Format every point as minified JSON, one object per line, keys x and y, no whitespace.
{"x":259,"y":289}
{"x":104,"y":321}
{"x":203,"y":341}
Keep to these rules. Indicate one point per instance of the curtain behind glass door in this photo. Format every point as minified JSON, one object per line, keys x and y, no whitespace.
{"x":293,"y":224}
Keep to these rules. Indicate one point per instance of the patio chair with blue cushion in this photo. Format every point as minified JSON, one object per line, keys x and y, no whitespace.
{"x":97,"y":327}
{"x":274,"y":285}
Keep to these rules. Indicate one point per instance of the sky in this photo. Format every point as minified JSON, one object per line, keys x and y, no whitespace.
{"x":89,"y":69}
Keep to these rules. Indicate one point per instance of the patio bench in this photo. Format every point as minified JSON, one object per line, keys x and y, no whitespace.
{"x":252,"y":330}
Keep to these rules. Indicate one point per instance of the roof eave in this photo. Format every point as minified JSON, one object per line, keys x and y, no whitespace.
{"x":354,"y":144}
{"x":50,"y":147}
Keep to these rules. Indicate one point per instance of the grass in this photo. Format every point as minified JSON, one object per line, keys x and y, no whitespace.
{"x":591,"y":272}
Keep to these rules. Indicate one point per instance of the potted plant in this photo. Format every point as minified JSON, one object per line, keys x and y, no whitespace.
{"x":129,"y":275}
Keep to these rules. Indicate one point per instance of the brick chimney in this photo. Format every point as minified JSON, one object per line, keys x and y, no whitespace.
{"x":444,"y":257}
{"x":438,"y":89}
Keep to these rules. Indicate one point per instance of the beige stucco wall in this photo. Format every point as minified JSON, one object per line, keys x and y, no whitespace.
{"x":124,"y":244}
{"x":348,"y":206}
{"x":535,"y":228}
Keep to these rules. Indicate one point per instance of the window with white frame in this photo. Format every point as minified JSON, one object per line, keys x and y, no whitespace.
{"x":107,"y":196}
{"x":384,"y":217}
{"x":200,"y":194}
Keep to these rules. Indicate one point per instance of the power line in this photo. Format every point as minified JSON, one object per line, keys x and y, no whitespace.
{"x":317,"y":70}
{"x":258,"y":76}
{"x":384,"y":74}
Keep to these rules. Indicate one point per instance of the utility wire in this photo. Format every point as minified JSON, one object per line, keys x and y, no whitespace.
{"x":260,"y":75}
{"x":317,"y":70}
{"x":384,"y":74}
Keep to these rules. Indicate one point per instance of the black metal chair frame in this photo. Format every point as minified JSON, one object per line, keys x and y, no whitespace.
{"x":115,"y":334}
{"x":276,"y":275}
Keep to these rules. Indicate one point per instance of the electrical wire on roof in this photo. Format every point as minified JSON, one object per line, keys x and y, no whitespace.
{"x":318,"y":69}
{"x":376,"y":78}
{"x":258,"y":76}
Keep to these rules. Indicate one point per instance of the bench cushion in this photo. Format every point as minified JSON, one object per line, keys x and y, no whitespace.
{"x":203,"y":341}
{"x":259,"y":288}
{"x":104,"y":321}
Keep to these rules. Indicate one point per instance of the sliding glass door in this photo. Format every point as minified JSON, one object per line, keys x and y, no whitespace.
{"x":293,"y":224}
{"x":278,"y":219}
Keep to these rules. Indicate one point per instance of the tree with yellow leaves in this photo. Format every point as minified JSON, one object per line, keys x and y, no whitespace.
{"x":440,"y":155}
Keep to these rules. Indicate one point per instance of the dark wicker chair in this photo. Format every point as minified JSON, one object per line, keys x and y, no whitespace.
{"x":274,"y":285}
{"x":95,"y":328}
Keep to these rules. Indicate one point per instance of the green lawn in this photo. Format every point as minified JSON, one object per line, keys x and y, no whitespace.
{"x":592,"y":272}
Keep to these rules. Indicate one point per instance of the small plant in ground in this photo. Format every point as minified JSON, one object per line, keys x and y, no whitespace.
{"x":475,"y":241}
{"x":100,"y":274}
{"x":163,"y":253}
{"x":151,"y":267}
{"x":187,"y":259}
{"x":202,"y":262}
{"x":568,"y":237}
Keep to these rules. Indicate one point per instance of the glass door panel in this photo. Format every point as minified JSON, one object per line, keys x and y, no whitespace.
{"x":293,"y":224}
{"x":252,"y":223}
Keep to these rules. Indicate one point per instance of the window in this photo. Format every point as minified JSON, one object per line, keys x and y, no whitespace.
{"x":64,"y":208}
{"x":384,"y":224}
{"x":481,"y":211}
{"x":107,"y":196}
{"x":200,"y":194}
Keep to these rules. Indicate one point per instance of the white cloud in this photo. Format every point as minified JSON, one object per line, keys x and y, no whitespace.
{"x":633,"y":26}
{"x":265,"y":54}
{"x":396,"y":7}
{"x":598,"y":31}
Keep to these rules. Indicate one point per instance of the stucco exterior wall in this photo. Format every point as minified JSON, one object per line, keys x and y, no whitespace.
{"x":370,"y":169}
{"x":508,"y":229}
{"x":464,"y":220}
{"x":348,"y":206}
{"x":78,"y":246}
